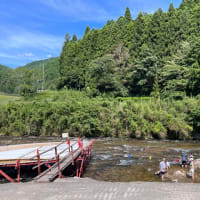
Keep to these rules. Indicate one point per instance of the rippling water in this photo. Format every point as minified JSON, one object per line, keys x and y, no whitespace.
{"x":136,"y":160}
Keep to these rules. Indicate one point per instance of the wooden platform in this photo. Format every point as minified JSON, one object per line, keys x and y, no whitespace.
{"x":50,"y":174}
{"x":49,"y":159}
{"x":27,"y":152}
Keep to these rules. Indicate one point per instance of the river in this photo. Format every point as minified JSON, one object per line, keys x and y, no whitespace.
{"x":125,"y":160}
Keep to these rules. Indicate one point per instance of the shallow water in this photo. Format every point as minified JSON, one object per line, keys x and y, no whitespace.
{"x":136,"y":160}
{"x":127,"y":159}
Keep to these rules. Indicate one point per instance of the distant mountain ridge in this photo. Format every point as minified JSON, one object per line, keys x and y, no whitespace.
{"x":12,"y":79}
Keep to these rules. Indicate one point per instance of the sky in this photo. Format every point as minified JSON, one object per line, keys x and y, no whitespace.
{"x":33,"y":30}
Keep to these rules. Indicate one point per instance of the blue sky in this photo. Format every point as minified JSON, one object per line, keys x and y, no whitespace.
{"x":34,"y":29}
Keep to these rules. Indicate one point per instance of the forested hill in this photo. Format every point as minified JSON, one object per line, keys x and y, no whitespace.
{"x":51,"y":71}
{"x":6,"y":74}
{"x":14,"y":80}
{"x":154,"y":54}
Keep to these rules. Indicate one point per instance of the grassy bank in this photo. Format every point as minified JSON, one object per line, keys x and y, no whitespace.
{"x":4,"y":98}
{"x":51,"y":113}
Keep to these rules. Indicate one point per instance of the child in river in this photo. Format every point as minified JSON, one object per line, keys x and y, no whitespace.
{"x":163,"y":168}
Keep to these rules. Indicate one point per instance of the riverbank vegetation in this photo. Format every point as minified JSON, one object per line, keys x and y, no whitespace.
{"x":52,"y":113}
{"x":5,"y":98}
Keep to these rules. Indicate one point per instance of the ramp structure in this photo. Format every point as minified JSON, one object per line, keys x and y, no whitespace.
{"x":56,"y":157}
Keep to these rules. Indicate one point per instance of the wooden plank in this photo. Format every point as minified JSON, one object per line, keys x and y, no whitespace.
{"x":51,"y":173}
{"x":64,"y":165}
{"x":51,"y":148}
{"x":53,"y":158}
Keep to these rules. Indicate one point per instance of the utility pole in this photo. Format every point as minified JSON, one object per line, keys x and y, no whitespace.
{"x":38,"y":81}
{"x":43,"y":77}
{"x":34,"y":84}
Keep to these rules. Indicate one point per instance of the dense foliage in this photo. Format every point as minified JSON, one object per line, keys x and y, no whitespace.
{"x":52,"y":113}
{"x":6,"y":79}
{"x":125,"y":56}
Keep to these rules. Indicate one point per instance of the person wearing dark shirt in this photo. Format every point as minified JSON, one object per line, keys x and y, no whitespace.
{"x":184,"y":160}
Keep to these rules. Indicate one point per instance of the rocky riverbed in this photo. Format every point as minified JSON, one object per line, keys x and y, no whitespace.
{"x":135,"y":160}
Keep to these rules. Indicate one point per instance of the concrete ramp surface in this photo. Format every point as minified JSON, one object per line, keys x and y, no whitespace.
{"x":88,"y":189}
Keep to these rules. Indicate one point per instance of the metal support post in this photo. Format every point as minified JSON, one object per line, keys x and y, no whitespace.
{"x":18,"y":170}
{"x":59,"y":171}
{"x":6,"y":176}
{"x":68,"y":142}
{"x":38,"y":157}
{"x":72,"y":155}
{"x":56,"y":153}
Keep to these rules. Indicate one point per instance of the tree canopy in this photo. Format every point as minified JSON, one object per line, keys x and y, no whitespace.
{"x":165,"y":43}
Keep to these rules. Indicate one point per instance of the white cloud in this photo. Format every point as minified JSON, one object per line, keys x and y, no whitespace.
{"x":49,"y":56}
{"x":18,"y":45}
{"x":13,"y":59}
{"x":20,"y":39}
{"x":4,"y":55}
{"x":27,"y":54}
{"x":79,"y":10}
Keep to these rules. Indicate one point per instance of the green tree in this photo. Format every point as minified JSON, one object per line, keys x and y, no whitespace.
{"x":127,"y":15}
{"x":67,"y":37}
{"x":28,"y":88}
{"x":101,"y":79}
{"x":156,"y":89}
{"x":193,"y":62}
{"x":7,"y":80}
{"x":175,"y":73}
{"x":156,"y":31}
{"x":74,"y":38}
{"x":138,"y":35}
{"x":87,"y":30}
{"x":143,"y":72}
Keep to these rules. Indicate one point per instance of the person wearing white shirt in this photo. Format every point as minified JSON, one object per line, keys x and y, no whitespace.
{"x":163,"y":168}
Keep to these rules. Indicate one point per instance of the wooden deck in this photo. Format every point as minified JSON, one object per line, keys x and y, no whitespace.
{"x":27,"y":152}
{"x":50,"y":174}
{"x":55,"y":156}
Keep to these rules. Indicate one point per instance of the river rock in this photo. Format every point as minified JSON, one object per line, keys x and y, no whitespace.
{"x":180,"y":174}
{"x":197,"y":164}
{"x":176,"y":175}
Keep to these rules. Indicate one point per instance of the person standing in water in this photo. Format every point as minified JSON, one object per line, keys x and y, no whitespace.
{"x":163,"y":168}
{"x":184,"y":160}
{"x":192,"y":167}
